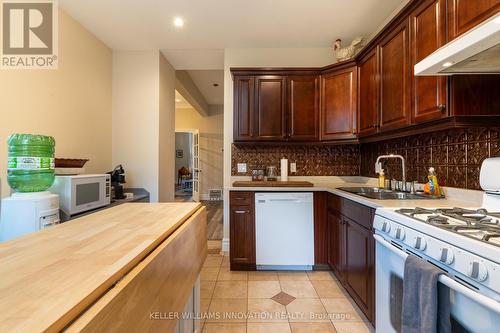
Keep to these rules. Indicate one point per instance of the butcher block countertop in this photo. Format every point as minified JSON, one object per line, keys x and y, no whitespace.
{"x":49,"y":277}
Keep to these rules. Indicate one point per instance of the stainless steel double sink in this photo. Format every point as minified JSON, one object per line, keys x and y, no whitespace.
{"x":383,"y":194}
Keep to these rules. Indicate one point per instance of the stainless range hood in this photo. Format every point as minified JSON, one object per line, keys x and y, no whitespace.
{"x":475,"y":52}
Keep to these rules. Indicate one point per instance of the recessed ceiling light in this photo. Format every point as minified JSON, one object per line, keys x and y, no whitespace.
{"x":447,"y":64}
{"x":178,"y":22}
{"x":178,"y":101}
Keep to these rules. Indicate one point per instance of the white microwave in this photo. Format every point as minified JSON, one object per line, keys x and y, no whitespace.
{"x":81,"y":193}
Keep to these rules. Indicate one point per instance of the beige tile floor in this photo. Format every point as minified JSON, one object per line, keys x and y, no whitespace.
{"x":234,"y":302}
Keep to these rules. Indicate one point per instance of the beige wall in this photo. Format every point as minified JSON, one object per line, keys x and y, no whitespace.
{"x":143,"y":121}
{"x":211,"y":130}
{"x":72,"y":103}
{"x":167,"y":131}
{"x":136,"y":117}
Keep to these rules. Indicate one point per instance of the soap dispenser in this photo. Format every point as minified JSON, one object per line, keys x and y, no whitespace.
{"x":381,"y":179}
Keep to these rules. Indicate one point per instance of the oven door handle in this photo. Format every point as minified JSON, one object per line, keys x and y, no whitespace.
{"x":447,"y":281}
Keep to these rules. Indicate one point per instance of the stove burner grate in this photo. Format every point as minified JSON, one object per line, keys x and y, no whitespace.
{"x":437,"y":220}
{"x":478,"y":224}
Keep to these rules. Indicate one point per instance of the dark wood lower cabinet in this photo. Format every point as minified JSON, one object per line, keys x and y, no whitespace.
{"x":351,"y":250}
{"x":242,"y":231}
{"x":343,"y":238}
{"x":335,"y":231}
{"x":320,"y":230}
{"x":359,"y":266}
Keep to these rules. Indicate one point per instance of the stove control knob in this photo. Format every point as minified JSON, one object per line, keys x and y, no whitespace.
{"x":477,"y":271}
{"x":419,"y":243}
{"x":447,"y":256}
{"x":386,"y":227}
{"x":400,"y":233}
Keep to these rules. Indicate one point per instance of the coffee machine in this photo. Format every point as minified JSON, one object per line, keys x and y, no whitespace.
{"x":117,"y":179}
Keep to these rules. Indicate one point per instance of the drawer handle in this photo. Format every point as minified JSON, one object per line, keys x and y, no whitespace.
{"x":241,"y":212}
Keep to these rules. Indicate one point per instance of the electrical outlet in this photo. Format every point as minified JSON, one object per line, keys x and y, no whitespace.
{"x":293,"y":167}
{"x":242,"y":167}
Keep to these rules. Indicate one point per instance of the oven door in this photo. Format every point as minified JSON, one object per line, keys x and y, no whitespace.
{"x":89,"y":193}
{"x":470,"y":311}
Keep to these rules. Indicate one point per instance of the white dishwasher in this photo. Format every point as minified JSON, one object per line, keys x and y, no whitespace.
{"x":284,"y":231}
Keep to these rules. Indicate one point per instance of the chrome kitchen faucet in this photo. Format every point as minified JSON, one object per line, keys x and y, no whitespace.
{"x":378,"y":166}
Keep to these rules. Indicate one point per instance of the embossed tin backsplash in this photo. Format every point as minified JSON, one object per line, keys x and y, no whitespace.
{"x":456,"y":155}
{"x":311,"y":160}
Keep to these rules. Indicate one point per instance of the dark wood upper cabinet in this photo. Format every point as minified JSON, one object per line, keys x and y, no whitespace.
{"x":303,"y":108}
{"x":428,"y":33}
{"x":395,"y":78}
{"x":464,"y":15}
{"x":475,"y":95}
{"x":368,"y":97}
{"x":243,"y":124}
{"x":338,"y":104}
{"x":270,"y":109}
{"x":376,"y":95}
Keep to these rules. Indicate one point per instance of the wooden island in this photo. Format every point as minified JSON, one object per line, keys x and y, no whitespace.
{"x":105,"y":272}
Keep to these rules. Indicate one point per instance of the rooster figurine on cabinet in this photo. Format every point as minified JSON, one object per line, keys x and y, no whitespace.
{"x":346,"y":53}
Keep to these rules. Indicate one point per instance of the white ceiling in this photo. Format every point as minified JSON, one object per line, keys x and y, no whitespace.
{"x":205,"y":80}
{"x":212,"y":25}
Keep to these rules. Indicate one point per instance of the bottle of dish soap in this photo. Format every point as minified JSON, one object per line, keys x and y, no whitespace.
{"x":433,"y":182}
{"x":381,"y":179}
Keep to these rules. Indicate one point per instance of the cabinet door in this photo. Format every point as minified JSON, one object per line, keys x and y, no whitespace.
{"x":335,"y":232}
{"x":242,"y":238}
{"x":428,"y":33}
{"x":270,"y":121}
{"x":338,"y":104}
{"x":395,"y":75}
{"x":303,"y":108}
{"x":359,"y":266}
{"x":464,"y":15}
{"x":243,"y":122}
{"x":368,"y":94}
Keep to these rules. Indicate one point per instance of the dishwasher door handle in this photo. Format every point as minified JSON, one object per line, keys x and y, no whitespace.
{"x":285,"y":200}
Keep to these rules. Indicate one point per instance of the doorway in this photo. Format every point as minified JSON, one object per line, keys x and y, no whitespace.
{"x":199,"y":105}
{"x":187,"y":165}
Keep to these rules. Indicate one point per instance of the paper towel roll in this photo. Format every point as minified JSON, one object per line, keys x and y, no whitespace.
{"x":284,"y":170}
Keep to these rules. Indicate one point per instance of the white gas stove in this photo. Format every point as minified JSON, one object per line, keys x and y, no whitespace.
{"x":463,"y":242}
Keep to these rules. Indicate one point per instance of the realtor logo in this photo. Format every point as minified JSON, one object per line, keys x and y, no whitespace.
{"x":29,"y":34}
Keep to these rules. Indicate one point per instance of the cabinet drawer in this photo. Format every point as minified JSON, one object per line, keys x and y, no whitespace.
{"x":358,"y":213}
{"x":241,"y":198}
{"x":334,"y":202}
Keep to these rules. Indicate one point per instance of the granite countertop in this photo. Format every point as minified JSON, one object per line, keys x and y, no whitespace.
{"x":454,"y":197}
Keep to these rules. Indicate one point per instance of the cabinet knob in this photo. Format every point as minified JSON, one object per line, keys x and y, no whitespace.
{"x":441,"y":107}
